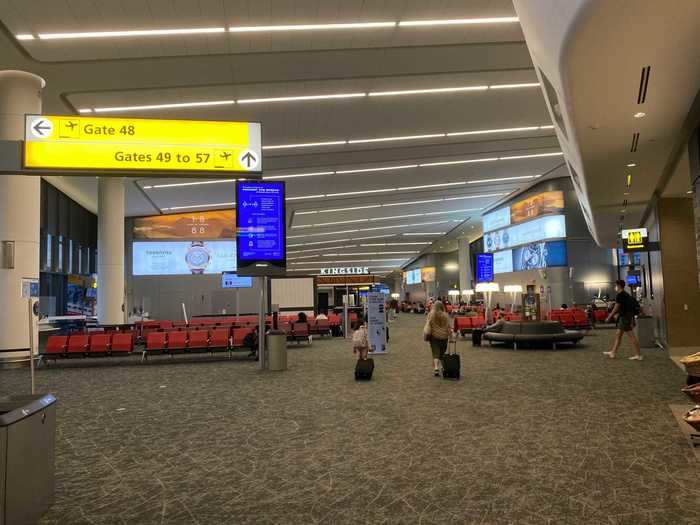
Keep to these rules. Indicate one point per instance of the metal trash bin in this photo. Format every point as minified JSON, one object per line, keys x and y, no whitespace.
{"x":277,"y":350}
{"x":27,"y":438}
{"x":644,"y":330}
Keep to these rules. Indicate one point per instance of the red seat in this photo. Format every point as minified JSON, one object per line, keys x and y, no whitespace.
{"x":198,"y":339}
{"x":56,"y":345}
{"x":78,"y":344}
{"x":238,"y":336}
{"x":462,"y":324}
{"x":100,"y":343}
{"x":299,"y":332}
{"x":156,"y":342}
{"x":323,"y":327}
{"x":177,"y":341}
{"x":122,"y":343}
{"x":478,"y":321}
{"x":219,"y":339}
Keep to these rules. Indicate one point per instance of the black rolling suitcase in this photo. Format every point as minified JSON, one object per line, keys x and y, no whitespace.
{"x":450,"y":362}
{"x":364,"y":369}
{"x":476,"y":336}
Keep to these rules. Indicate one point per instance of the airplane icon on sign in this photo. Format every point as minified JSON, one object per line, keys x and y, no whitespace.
{"x":225,"y":155}
{"x":71,"y":124}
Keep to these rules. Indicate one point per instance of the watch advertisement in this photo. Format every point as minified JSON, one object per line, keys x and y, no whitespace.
{"x":183,"y":257}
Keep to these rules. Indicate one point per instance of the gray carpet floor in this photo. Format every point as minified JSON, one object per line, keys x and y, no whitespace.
{"x":525,"y":437}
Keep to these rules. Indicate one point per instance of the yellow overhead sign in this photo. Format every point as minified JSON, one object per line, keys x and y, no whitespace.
{"x":132,"y":144}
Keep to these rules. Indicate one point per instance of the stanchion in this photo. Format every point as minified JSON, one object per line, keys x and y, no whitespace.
{"x":30,"y":303}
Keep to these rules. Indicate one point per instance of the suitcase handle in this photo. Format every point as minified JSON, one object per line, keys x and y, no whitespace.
{"x":452,"y":343}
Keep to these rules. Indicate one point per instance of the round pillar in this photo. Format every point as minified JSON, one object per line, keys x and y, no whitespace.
{"x":20,"y":216}
{"x":110,"y":250}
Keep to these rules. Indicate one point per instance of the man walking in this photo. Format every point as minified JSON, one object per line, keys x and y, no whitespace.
{"x":624,"y":310}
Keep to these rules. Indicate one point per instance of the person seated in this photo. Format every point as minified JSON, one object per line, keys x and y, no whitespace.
{"x":301,"y":318}
{"x":251,"y":341}
{"x":322,"y":315}
{"x":564,"y":306}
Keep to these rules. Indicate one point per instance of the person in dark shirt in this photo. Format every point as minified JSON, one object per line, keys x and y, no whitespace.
{"x":624,"y":311}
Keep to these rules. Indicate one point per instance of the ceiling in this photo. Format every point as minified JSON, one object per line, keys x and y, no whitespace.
{"x":378,"y":203}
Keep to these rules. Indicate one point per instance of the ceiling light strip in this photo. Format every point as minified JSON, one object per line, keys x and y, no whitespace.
{"x":131,"y":33}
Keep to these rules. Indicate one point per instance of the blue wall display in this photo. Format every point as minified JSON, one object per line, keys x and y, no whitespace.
{"x":231,"y":280}
{"x":538,"y":255}
{"x":260,"y":224}
{"x":484,"y":267}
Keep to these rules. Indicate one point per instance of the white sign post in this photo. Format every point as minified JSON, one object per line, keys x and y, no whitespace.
{"x":376,"y":322}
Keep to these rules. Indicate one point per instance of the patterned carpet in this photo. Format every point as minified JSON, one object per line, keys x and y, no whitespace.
{"x":526,"y":437}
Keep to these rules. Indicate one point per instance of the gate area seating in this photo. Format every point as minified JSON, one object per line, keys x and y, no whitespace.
{"x":549,"y":333}
{"x":465,"y":325}
{"x":573,"y":318}
{"x":81,"y":345}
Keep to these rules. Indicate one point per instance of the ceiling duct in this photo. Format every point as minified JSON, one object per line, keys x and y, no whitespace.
{"x":635,"y":142}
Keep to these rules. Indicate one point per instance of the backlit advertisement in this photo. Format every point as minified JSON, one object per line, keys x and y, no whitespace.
{"x":496,"y":219}
{"x":183,"y":257}
{"x":503,"y":261}
{"x":219,"y":224}
{"x":546,"y":203}
{"x":413,"y":276}
{"x":539,"y":255}
{"x":427,"y":274}
{"x":548,"y":227}
{"x":533,"y":256}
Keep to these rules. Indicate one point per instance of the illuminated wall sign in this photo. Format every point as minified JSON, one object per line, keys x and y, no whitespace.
{"x":503,"y":261}
{"x":219,"y":224}
{"x":131,"y":144}
{"x":496,"y":219}
{"x":413,"y":276}
{"x":261,"y":226}
{"x":545,"y":203}
{"x":427,"y":274}
{"x":231,"y":280}
{"x":183,"y":257}
{"x":484,"y":267}
{"x":533,"y":256}
{"x":349,"y":270}
{"x":635,"y":240}
{"x":547,"y":227}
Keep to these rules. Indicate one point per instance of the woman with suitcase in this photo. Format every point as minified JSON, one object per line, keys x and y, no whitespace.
{"x":437,"y":331}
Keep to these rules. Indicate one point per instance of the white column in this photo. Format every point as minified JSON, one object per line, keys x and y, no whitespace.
{"x":465,"y":268}
{"x":20,"y":215}
{"x":110,"y":250}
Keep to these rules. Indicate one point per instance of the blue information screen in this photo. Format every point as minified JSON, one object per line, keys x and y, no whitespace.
{"x":261,"y":221}
{"x":484,"y":267}
{"x":231,"y":280}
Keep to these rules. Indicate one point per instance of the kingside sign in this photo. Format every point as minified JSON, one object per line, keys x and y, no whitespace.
{"x":349,"y":270}
{"x":132,"y":144}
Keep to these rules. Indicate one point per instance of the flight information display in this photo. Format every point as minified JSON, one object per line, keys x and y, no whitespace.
{"x":261,"y":222}
{"x":484,"y":267}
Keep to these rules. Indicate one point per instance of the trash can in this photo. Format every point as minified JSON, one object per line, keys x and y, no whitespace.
{"x":644,"y":330}
{"x":277,"y":350}
{"x":27,"y":437}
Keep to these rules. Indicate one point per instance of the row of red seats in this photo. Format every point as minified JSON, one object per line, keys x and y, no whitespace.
{"x":333,"y":319}
{"x":571,"y":318}
{"x":506,"y":316}
{"x":222,"y":339}
{"x":97,"y":344}
{"x":467,"y":324}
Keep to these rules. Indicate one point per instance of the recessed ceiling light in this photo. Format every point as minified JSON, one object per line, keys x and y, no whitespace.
{"x":307,"y":144}
{"x":629,"y":180}
{"x":299,"y":98}
{"x":631,"y":165}
{"x":689,"y":192}
{"x":134,"y":33}
{"x":178,"y":105}
{"x":641,"y":114}
{"x":426,"y":91}
{"x":310,"y":27}
{"x":459,"y":21}
{"x":24,"y":36}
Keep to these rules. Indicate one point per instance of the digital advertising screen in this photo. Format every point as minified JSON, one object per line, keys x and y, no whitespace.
{"x":496,"y":219}
{"x":546,"y":203}
{"x":261,"y":224}
{"x":484,"y":267}
{"x":183,"y":257}
{"x":231,"y":280}
{"x":218,"y":224}
{"x":413,"y":276}
{"x":539,"y":255}
{"x":548,"y":227}
{"x":503,"y":261}
{"x":427,"y":274}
